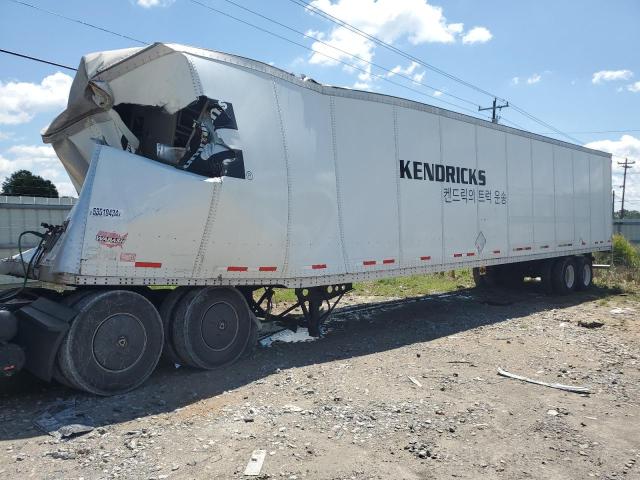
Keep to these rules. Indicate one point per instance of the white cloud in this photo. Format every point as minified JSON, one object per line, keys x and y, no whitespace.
{"x":627,"y":146}
{"x":515,"y":80}
{"x":404,"y":71}
{"x":535,"y":78}
{"x":40,"y":160}
{"x":437,"y":93}
{"x":21,"y":101}
{"x":611,"y":75}
{"x":634,"y":87}
{"x":389,"y":20}
{"x":6,"y":135}
{"x":154,"y":3}
{"x":477,"y":35}
{"x":417,"y":77}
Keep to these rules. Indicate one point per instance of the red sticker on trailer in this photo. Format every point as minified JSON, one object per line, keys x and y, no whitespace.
{"x":128,"y":257}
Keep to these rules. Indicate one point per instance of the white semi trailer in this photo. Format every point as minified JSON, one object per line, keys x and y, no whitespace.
{"x":221,"y":175}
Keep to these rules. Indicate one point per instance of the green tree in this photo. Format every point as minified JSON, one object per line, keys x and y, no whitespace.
{"x":23,"y":182}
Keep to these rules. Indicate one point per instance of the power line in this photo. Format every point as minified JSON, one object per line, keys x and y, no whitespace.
{"x":75,"y":20}
{"x":355,"y":67}
{"x":400,"y":74}
{"x":331,"y":18}
{"x":36,"y":59}
{"x":306,"y":5}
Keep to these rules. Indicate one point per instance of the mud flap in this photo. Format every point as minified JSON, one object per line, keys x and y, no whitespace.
{"x":42,"y":326}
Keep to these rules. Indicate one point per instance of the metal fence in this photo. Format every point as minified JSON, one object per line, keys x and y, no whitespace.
{"x":18,"y":214}
{"x":629,"y":228}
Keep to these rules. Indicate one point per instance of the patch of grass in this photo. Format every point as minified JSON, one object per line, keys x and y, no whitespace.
{"x":618,"y":279}
{"x":413,"y":286}
{"x":624,"y":253}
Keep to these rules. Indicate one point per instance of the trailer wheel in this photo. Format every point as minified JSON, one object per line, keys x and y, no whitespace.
{"x":73,"y":300}
{"x":585,"y":273}
{"x":214,"y":329}
{"x":564,"y":276}
{"x":168,"y":310}
{"x":113,"y":344}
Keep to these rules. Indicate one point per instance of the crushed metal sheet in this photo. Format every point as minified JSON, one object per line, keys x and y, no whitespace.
{"x":63,"y":421}
{"x":255,"y":463}
{"x":288,"y":336}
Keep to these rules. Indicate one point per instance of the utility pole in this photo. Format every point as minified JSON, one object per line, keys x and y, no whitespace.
{"x":493,"y":108}
{"x":626,"y":165}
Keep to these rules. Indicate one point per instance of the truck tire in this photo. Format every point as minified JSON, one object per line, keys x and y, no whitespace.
{"x":168,"y":310}
{"x":113,"y":344}
{"x":564,"y":276}
{"x":252,"y":343}
{"x":585,"y":273}
{"x":73,"y":300}
{"x":215,"y":328}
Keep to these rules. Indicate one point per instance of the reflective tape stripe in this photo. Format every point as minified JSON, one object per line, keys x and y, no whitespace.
{"x":148,"y":264}
{"x":496,"y":251}
{"x":319,"y":266}
{"x":470,"y":254}
{"x":388,"y":261}
{"x":267,"y":269}
{"x":369,"y":262}
{"x":237,"y":269}
{"x":428,"y":257}
{"x":456,"y":255}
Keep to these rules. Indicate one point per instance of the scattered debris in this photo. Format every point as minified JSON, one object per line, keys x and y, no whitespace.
{"x":63,"y":421}
{"x":415,"y":382}
{"x":621,"y":311}
{"x":553,"y":413}
{"x":255,"y":463}
{"x":558,"y":386}
{"x":288,"y":336}
{"x":590,"y":323}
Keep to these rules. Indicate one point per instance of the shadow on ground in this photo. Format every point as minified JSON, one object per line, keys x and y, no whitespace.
{"x":353,"y":331}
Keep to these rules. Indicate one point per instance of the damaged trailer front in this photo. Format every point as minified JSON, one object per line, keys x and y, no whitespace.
{"x":212,"y":177}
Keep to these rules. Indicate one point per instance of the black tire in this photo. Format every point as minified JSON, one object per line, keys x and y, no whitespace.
{"x":215,"y":329}
{"x":585,"y":273}
{"x":113,"y":344}
{"x":564,"y":276}
{"x":72,"y":300}
{"x":252,"y":343}
{"x":167,"y":313}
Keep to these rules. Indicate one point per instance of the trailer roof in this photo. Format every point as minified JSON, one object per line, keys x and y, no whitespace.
{"x":244,"y":62}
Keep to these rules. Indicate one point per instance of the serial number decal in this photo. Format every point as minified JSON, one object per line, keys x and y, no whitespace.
{"x":105,"y":212}
{"x":111,"y":239}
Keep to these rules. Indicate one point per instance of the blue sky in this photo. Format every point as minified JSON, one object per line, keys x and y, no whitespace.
{"x":572,"y":63}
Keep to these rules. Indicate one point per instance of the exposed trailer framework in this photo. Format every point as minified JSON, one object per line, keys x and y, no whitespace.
{"x":201,"y":169}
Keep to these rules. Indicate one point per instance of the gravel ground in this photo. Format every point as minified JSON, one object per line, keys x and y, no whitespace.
{"x":396,"y":390}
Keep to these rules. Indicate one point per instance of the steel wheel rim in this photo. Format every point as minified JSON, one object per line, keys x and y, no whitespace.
{"x":569,"y":276}
{"x":126,"y":333}
{"x":586,"y":274}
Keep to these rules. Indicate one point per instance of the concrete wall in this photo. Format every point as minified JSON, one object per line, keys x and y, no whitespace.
{"x":18,"y":214}
{"x":629,"y":228}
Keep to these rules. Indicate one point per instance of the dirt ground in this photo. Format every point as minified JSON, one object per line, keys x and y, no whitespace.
{"x":396,"y":390}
